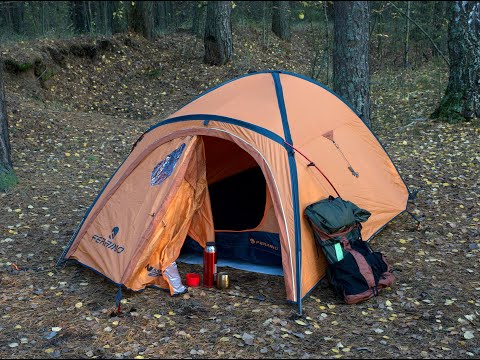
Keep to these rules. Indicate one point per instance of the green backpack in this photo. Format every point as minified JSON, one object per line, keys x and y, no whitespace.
{"x":355,"y":271}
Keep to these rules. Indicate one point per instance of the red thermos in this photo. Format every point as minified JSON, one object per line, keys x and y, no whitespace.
{"x":209,"y":264}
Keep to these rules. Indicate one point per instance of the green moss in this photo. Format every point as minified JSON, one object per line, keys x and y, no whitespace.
{"x":450,"y":110}
{"x":7,"y":180}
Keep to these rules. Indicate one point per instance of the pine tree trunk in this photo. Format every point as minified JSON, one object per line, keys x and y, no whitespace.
{"x":79,"y":17}
{"x":163,"y":14}
{"x":218,"y":33}
{"x":118,"y":14}
{"x":19,"y":17}
{"x":281,"y":19}
{"x":462,"y":98}
{"x":407,"y":37}
{"x":198,"y":22}
{"x":7,"y":176}
{"x":142,"y":18}
{"x":351,"y":74}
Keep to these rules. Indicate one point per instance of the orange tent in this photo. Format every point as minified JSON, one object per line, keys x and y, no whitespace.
{"x":306,"y":143}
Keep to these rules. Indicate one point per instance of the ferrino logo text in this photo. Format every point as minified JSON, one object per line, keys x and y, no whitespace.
{"x":108,"y":243}
{"x":262,"y":243}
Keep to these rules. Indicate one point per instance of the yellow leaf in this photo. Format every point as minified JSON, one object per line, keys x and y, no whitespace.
{"x":157,"y":316}
{"x":49,"y":351}
{"x":300,"y":322}
{"x":67,"y":154}
{"x":78,"y":305}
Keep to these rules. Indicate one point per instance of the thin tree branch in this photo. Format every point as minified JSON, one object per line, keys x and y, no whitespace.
{"x":423,"y":31}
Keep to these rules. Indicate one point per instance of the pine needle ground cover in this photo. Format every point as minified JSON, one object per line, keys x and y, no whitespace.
{"x":71,"y":130}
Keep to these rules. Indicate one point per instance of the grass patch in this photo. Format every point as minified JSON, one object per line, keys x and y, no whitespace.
{"x":154,"y":73}
{"x":91,"y":158}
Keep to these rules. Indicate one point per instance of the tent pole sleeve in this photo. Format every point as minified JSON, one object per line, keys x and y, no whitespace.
{"x":294,"y":181}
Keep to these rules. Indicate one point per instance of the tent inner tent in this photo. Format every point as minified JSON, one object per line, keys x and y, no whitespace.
{"x":238,"y":165}
{"x":246,"y":230}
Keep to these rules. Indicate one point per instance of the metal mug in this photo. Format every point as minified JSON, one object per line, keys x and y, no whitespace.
{"x":223,"y":282}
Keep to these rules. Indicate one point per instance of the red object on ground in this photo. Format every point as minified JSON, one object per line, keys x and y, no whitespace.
{"x":209,"y":264}
{"x":192,"y":280}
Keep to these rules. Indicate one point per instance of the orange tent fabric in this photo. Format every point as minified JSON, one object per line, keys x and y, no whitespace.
{"x":308,"y":143}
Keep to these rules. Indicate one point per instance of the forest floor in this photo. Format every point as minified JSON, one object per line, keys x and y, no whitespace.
{"x":72,"y":128}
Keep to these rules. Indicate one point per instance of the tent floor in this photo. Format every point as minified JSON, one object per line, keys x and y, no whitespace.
{"x":197,"y":259}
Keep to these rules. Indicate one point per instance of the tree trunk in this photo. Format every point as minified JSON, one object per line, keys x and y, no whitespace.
{"x":7,"y":176}
{"x":79,"y":17}
{"x":462,"y":98}
{"x":107,"y":12}
{"x":281,"y":19}
{"x":218,"y":33}
{"x":163,"y":14}
{"x":19,"y":17}
{"x":198,"y":22}
{"x":118,"y":16}
{"x":142,"y":18}
{"x":351,"y":74}
{"x":407,"y":37}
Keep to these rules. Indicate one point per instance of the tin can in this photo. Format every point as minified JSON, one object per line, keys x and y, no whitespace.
{"x":209,"y":264}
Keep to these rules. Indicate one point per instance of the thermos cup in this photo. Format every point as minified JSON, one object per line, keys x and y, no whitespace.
{"x":223,"y":281}
{"x":209,"y":265}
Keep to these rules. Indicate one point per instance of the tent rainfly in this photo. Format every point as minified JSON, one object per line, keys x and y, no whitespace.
{"x":289,"y":136}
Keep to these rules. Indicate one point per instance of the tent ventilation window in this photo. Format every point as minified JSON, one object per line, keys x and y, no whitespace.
{"x":165,"y":168}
